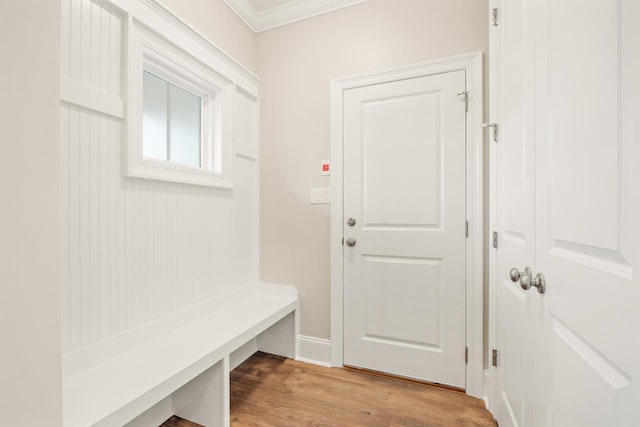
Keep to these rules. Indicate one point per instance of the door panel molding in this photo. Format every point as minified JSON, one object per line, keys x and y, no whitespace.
{"x":471,"y":63}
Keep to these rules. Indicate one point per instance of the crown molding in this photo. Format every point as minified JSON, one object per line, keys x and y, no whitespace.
{"x":297,"y":10}
{"x":169,"y":15}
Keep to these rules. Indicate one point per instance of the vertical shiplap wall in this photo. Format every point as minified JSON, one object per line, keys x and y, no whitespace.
{"x":139,"y":250}
{"x":91,"y":45}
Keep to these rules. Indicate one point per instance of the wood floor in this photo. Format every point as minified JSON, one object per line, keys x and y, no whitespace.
{"x":268,"y":390}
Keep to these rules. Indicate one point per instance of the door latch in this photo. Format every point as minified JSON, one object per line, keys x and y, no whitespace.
{"x":493,"y":126}
{"x":466,"y":99}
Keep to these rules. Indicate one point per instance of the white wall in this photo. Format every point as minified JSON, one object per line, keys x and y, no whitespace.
{"x":30,"y":220}
{"x":296,"y":64}
{"x":221,"y":25}
{"x":138,"y":250}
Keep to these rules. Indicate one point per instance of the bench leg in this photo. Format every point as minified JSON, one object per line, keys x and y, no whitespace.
{"x":226,"y":394}
{"x":280,"y":338}
{"x":205,"y":399}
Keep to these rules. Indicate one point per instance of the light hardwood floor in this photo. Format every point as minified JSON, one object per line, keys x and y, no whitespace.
{"x":268,"y":390}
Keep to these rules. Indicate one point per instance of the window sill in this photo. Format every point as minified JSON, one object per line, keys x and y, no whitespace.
{"x":173,"y":172}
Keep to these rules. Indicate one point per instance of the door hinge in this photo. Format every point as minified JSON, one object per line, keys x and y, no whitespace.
{"x":495,"y":16}
{"x":494,"y":357}
{"x":466,"y":229}
{"x":466,"y":355}
{"x":494,"y":127}
{"x":495,"y":240}
{"x":466,"y":100}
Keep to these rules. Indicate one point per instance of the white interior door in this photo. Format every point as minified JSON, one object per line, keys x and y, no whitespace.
{"x":568,"y":172}
{"x":515,"y":221}
{"x":404,"y":187}
{"x":587,"y":210}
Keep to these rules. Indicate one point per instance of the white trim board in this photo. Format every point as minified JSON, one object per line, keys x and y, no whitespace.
{"x":316,"y":351}
{"x":168,"y":14}
{"x":486,"y":388}
{"x":493,"y":207}
{"x":288,"y":13}
{"x":472,"y":64}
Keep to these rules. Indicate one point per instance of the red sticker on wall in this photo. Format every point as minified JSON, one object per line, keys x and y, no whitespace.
{"x":326,"y":168}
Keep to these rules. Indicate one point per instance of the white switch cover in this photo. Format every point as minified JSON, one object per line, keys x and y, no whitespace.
{"x":320,"y":195}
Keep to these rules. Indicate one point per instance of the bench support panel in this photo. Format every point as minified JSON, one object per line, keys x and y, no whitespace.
{"x":243,"y":353}
{"x":280,"y":339}
{"x":204,"y":400}
{"x":154,"y":416}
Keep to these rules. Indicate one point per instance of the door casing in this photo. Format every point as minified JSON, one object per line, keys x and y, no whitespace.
{"x":471,"y":63}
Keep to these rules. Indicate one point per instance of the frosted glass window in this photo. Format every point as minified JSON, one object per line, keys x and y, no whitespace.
{"x":154,"y":126}
{"x":184,"y":127}
{"x":171,"y":122}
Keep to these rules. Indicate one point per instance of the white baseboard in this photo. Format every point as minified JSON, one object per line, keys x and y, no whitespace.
{"x":314,"y":350}
{"x":485,"y":388}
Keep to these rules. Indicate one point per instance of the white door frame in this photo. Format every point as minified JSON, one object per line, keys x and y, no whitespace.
{"x":493,"y":117}
{"x":471,"y":63}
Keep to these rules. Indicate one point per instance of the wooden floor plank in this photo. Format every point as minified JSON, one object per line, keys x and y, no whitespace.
{"x":269,"y":390}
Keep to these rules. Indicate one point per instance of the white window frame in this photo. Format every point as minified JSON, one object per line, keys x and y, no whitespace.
{"x":151,"y":52}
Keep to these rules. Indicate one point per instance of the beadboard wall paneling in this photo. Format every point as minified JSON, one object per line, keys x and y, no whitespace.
{"x":138,"y":250}
{"x":142,"y":249}
{"x":91,"y":45}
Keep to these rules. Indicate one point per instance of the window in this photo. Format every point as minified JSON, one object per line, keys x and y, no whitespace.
{"x":171,"y":122}
{"x":179,"y":114}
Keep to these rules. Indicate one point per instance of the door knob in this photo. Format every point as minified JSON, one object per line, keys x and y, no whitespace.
{"x":514,"y":274}
{"x":350,"y":241}
{"x":351,"y":222}
{"x":527,"y":280}
{"x":540,"y":283}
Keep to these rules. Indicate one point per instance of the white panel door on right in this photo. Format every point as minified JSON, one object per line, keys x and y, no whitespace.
{"x":568,"y":207}
{"x":587,"y":213}
{"x":404,"y":187}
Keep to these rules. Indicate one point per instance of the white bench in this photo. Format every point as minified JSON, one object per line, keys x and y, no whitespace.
{"x":179,"y":365}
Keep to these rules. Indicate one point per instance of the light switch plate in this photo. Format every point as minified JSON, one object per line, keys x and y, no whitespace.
{"x":320,"y":195}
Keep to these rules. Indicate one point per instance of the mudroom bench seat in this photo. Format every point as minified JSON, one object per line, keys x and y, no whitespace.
{"x":179,"y":365}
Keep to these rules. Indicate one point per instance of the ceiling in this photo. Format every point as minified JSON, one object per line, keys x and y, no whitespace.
{"x":262,"y":15}
{"x":262,"y":5}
